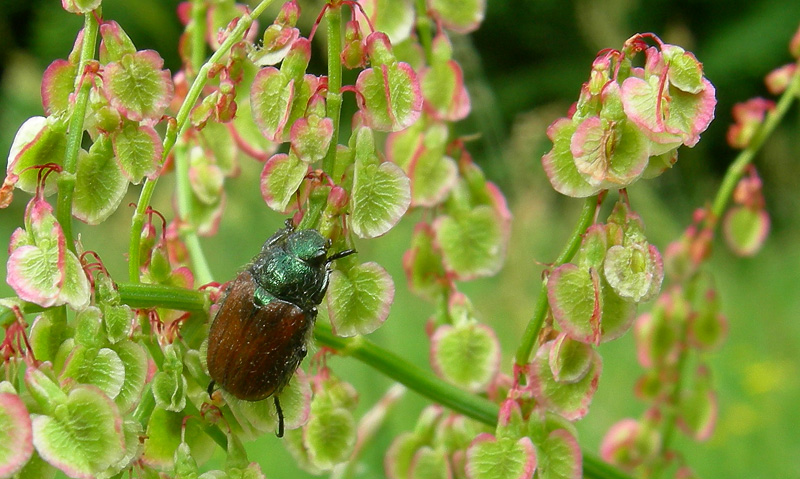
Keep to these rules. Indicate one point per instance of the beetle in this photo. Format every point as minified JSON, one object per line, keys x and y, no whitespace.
{"x":258,"y":337}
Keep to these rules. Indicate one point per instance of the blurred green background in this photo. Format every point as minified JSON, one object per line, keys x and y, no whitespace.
{"x":524,"y":68}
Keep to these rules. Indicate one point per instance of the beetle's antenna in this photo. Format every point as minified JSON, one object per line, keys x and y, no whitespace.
{"x":280,"y":416}
{"x":340,"y":255}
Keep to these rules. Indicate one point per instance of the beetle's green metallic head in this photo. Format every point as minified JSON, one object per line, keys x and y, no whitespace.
{"x":293,"y":266}
{"x":308,"y":245}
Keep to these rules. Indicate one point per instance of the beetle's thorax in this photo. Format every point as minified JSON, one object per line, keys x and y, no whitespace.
{"x":286,"y":276}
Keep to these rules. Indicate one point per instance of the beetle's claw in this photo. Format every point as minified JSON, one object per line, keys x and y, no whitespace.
{"x":280,"y":416}
{"x":211,"y":388}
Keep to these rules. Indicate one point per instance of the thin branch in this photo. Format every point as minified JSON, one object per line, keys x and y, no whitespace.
{"x":535,"y":324}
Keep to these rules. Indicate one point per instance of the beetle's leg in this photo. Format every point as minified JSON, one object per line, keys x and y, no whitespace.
{"x":280,"y":416}
{"x":321,"y":288}
{"x":279,"y":236}
{"x":211,"y":388}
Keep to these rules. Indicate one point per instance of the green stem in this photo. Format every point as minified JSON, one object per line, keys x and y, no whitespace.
{"x":198,"y":34}
{"x":440,"y":392}
{"x":138,"y":221}
{"x":140,"y":295}
{"x":333,"y":18}
{"x":671,"y":402}
{"x":145,"y":408}
{"x":150,"y":295}
{"x":7,"y":315}
{"x":66,"y":180}
{"x":424,"y":29}
{"x":734,"y":173}
{"x":596,"y":468}
{"x":409,"y":375}
{"x":174,"y":130}
{"x":211,"y":430}
{"x":183,"y":189}
{"x":738,"y":167}
{"x":313,"y":214}
{"x":535,"y":324}
{"x":386,"y":362}
{"x":671,"y":412}
{"x":187,"y":230}
{"x":200,"y":267}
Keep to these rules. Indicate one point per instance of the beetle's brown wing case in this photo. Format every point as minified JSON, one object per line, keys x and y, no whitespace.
{"x":254,"y":350}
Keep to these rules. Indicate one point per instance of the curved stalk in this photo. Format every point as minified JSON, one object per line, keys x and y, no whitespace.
{"x":424,"y":29}
{"x":734,"y":173}
{"x":535,"y":324}
{"x":411,"y":376}
{"x":333,"y":100}
{"x":176,"y":128}
{"x":384,"y":361}
{"x":183,"y":189}
{"x":66,"y":180}
{"x":739,"y":165}
{"x":139,"y":295}
{"x":433,"y":388}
